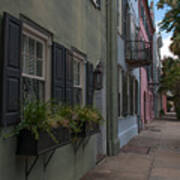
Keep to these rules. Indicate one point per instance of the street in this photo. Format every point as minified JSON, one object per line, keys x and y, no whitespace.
{"x":153,"y":155}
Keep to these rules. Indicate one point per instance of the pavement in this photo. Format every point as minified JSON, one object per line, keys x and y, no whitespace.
{"x":153,"y":155}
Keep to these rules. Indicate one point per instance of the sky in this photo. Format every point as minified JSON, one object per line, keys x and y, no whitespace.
{"x":159,"y":14}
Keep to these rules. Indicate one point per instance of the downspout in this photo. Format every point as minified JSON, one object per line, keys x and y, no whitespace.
{"x":111,"y":95}
{"x":108,"y":84}
{"x":140,"y":121}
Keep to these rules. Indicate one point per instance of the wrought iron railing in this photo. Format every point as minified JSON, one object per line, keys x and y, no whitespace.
{"x":139,"y":52}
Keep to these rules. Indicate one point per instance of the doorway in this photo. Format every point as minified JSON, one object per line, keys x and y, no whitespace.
{"x":145,"y":117}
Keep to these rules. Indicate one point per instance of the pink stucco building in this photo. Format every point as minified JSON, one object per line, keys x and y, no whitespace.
{"x":164,"y":103}
{"x":146,"y":35}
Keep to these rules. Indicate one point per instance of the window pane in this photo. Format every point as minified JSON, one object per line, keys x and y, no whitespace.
{"x":32,"y":54}
{"x":31,"y":60}
{"x":39,"y":64}
{"x":33,"y":89}
{"x":24,"y":43}
{"x":76,"y":73}
{"x":24,"y":51}
{"x":39,"y":50}
{"x":77,"y":100}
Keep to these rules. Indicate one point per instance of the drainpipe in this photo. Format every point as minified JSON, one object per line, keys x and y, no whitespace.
{"x":140,"y":105}
{"x":111,"y":86}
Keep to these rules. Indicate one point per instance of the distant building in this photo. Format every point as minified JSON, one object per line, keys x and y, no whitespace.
{"x":146,"y":73}
{"x":128,"y":75}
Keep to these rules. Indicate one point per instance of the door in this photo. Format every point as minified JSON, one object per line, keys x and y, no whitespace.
{"x":145,"y":119}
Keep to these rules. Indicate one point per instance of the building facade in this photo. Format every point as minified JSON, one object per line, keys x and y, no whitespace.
{"x":146,"y":73}
{"x":49,"y":50}
{"x":128,"y":76}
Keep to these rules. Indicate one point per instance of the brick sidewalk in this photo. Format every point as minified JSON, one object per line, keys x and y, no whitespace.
{"x":153,"y":155}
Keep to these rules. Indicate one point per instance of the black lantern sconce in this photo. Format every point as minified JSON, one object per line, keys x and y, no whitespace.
{"x":98,"y":77}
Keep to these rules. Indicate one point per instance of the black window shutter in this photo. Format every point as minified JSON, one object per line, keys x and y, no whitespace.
{"x":58,"y":73}
{"x":136,"y":96}
{"x":119,"y":104}
{"x":89,"y":84}
{"x":131,"y":95}
{"x":11,"y":71}
{"x":69,"y":77}
{"x":125,"y":95}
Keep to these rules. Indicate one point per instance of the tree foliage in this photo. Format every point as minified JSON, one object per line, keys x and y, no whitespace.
{"x":170,"y":80}
{"x":171,"y":22}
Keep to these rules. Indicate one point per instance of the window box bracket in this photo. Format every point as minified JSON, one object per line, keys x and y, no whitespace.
{"x":28,"y":169}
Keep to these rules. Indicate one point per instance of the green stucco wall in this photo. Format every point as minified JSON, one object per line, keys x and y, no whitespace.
{"x":65,"y":164}
{"x":73,"y":23}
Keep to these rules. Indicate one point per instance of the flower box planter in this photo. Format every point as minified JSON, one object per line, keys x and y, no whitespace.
{"x":92,"y":128}
{"x":81,"y":134}
{"x":29,"y":146}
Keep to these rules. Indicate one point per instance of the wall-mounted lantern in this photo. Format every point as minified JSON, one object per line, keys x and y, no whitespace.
{"x":98,"y":77}
{"x":97,"y":3}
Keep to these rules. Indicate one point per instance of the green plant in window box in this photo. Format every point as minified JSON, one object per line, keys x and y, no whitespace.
{"x":39,"y":131}
{"x":77,"y":119}
{"x":46,"y":124}
{"x":39,"y":116}
{"x":90,"y":119}
{"x":35,"y":119}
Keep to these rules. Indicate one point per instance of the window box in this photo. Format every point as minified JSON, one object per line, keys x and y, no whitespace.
{"x":80,"y":134}
{"x":92,"y":128}
{"x":28,"y":145}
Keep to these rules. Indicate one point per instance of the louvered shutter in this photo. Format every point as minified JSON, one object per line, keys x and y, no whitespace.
{"x":69,"y":78}
{"x":58,"y":73}
{"x":119,"y":104}
{"x":131,"y":95}
{"x":11,"y":71}
{"x":136,"y":96}
{"x":89,"y":84}
{"x":125,"y":95}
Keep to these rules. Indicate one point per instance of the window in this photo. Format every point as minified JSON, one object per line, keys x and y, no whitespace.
{"x":34,"y":65}
{"x":123,"y":16}
{"x":142,"y":11}
{"x":131,"y":89}
{"x":136,"y":96}
{"x":119,"y":91}
{"x":78,"y":79}
{"x":125,"y":94}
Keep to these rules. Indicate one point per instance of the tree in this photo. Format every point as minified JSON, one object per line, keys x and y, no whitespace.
{"x":171,"y":22}
{"x":170,"y":80}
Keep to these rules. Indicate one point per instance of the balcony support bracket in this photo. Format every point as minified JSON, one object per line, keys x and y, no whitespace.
{"x":45,"y":164}
{"x":28,"y":169}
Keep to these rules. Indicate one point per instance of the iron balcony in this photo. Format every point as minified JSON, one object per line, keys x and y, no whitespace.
{"x":138,"y":53}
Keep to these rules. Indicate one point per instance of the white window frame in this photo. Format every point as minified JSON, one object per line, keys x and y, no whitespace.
{"x":46,"y":71}
{"x":82,"y":86}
